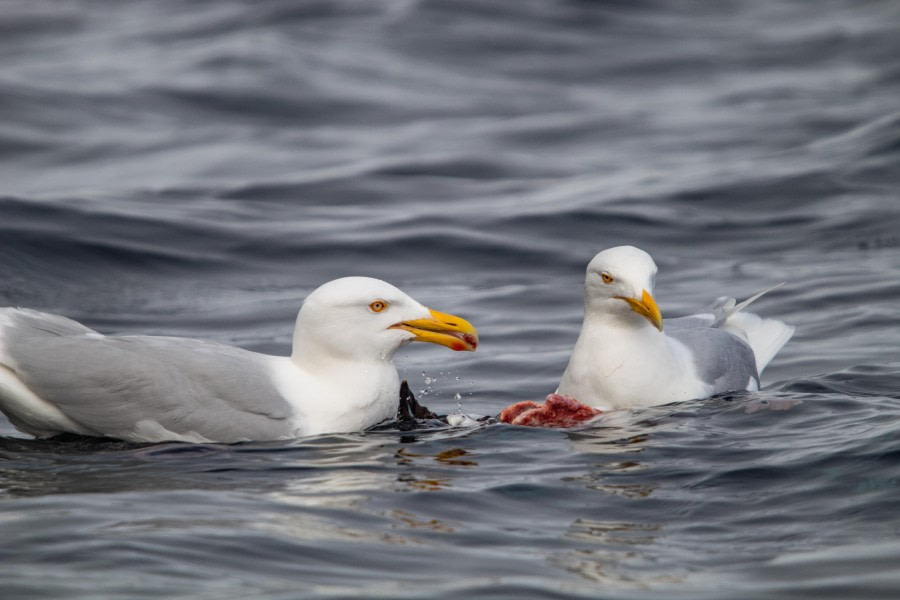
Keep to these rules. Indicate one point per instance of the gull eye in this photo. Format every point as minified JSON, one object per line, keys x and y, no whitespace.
{"x":378,"y":306}
{"x":607,"y":278}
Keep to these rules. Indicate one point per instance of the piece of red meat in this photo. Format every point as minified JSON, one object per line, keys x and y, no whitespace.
{"x":557,"y":411}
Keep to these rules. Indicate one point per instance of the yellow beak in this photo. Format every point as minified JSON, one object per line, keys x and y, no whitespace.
{"x":447,"y":330}
{"x":646,"y":307}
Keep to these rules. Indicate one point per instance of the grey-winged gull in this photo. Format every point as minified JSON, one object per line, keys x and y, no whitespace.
{"x":57,"y":375}
{"x":626,"y":355}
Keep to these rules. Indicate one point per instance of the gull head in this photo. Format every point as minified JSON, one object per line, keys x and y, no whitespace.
{"x":361,"y":318}
{"x":618,"y":287}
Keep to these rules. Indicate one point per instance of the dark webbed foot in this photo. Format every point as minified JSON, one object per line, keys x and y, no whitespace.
{"x":412,"y":415}
{"x":409,"y":408}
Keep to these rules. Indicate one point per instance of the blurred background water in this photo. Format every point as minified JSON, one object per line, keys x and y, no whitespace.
{"x":196,"y":169}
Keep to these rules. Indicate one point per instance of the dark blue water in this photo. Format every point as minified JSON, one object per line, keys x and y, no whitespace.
{"x":197,"y":168}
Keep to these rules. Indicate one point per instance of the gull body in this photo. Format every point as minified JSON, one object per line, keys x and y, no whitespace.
{"x":626,"y":355}
{"x":58,"y":376}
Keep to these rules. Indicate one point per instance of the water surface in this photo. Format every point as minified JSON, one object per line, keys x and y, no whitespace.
{"x":196,"y":169}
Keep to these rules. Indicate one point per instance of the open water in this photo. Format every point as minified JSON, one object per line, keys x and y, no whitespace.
{"x":196,"y":168}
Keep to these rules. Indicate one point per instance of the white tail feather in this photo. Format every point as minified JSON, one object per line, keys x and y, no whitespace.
{"x":765,"y":336}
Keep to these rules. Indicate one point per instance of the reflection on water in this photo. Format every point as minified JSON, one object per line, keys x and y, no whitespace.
{"x":422,"y":484}
{"x":452,"y":456}
{"x":406,"y":519}
{"x":616,"y":554}
{"x":598,"y":481}
{"x":781,"y":402}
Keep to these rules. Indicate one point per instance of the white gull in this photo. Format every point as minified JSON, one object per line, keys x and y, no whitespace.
{"x":58,"y":376}
{"x":627,"y":356}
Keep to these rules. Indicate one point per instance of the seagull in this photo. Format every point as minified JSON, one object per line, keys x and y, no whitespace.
{"x":628,"y":356}
{"x":58,"y":376}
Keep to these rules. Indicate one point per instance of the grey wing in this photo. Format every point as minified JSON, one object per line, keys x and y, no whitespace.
{"x":713,"y":315}
{"x":723,"y":361}
{"x":716,"y":314}
{"x":702,"y":320}
{"x":187,"y":387}
{"x":25,"y":319}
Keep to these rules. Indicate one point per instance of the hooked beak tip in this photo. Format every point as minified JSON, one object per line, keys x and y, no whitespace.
{"x":444,"y":329}
{"x":646,"y":307}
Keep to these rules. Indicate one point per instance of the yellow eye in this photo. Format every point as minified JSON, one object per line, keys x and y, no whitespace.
{"x":378,"y":306}
{"x":606,"y":277}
